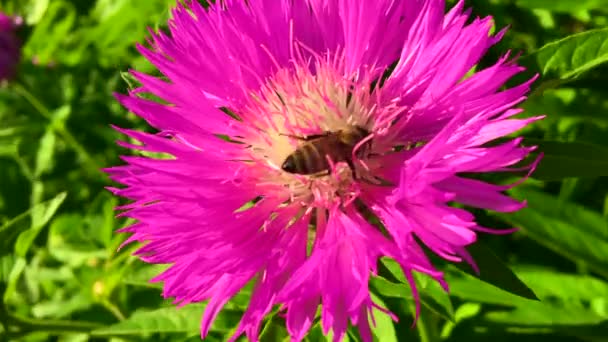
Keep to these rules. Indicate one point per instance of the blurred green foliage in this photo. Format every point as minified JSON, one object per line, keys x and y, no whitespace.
{"x":62,"y":279}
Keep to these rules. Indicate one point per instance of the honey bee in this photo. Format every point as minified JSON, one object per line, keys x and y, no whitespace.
{"x":312,"y":156}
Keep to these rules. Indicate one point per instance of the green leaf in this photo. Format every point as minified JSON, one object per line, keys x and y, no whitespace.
{"x":565,"y":211}
{"x":386,"y":288}
{"x":561,"y":321}
{"x":130,"y":80}
{"x":464,"y":312}
{"x":493,"y":271}
{"x":17,"y":268}
{"x":468,"y":287}
{"x":541,"y":314}
{"x":67,"y":242}
{"x":35,"y":10}
{"x":122,"y":23}
{"x":168,"y":320}
{"x":431,"y":293}
{"x":389,"y":289}
{"x":44,"y":156}
{"x":9,"y":140}
{"x":41,"y":214}
{"x":48,"y":35}
{"x":60,"y":308}
{"x":6,"y":265}
{"x":315,"y":334}
{"x":560,"y":293}
{"x":164,"y":320}
{"x":384,"y":329}
{"x":103,"y":230}
{"x":565,"y":6}
{"x":563,"y":227}
{"x":434,"y":297}
{"x":572,"y":287}
{"x":570,"y":159}
{"x":142,"y":275}
{"x":573,"y":55}
{"x":553,"y":313}
{"x":275,"y":329}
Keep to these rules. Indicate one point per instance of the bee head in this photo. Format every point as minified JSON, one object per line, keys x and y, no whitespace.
{"x":289,"y":165}
{"x":361,"y":131}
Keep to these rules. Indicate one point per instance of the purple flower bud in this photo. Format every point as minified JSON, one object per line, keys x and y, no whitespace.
{"x":10,"y":46}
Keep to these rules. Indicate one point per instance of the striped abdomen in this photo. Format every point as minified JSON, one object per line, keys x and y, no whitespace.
{"x":311,"y":157}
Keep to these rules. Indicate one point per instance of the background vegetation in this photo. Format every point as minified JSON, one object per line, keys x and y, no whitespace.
{"x":62,"y":279}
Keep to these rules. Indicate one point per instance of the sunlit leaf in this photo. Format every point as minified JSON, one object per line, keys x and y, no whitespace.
{"x":44,"y":157}
{"x":573,"y":55}
{"x":432,"y":295}
{"x":571,"y":286}
{"x":13,"y":276}
{"x":468,"y":287}
{"x":35,"y":9}
{"x":50,"y":32}
{"x":142,"y":275}
{"x":9,"y":140}
{"x":541,"y":314}
{"x":62,"y":308}
{"x":41,"y":214}
{"x":569,"y":236}
{"x":168,"y":320}
{"x":384,"y":329}
{"x":565,"y":6}
{"x":275,"y":329}
{"x":570,"y":159}
{"x":164,"y":320}
{"x":6,"y":265}
{"x":463,"y":312}
{"x":494,"y":271}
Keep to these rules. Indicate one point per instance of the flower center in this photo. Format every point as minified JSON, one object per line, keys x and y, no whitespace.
{"x":312,"y":136}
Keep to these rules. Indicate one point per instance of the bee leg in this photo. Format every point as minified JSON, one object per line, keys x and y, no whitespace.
{"x":383,"y":182}
{"x":320,"y":174}
{"x":377,"y":181}
{"x":317,"y":175}
{"x":374,"y":180}
{"x":351,"y":165}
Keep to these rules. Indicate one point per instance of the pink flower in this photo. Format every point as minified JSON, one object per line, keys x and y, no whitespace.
{"x":382,"y":83}
{"x":10,"y":46}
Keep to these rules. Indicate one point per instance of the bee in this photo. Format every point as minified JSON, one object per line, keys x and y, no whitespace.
{"x":312,"y":156}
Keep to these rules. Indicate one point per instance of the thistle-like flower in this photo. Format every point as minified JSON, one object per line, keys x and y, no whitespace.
{"x":289,"y":126}
{"x":10,"y":46}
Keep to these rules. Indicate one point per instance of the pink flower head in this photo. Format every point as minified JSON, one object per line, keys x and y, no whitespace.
{"x":259,"y":94}
{"x":10,"y":46}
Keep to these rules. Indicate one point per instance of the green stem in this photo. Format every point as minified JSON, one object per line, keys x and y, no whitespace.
{"x":26,"y":325}
{"x":113,"y":309}
{"x":125,"y":254}
{"x":53,"y":325}
{"x":427,"y":326}
{"x":3,"y":313}
{"x":25,"y":169}
{"x":58,"y":128}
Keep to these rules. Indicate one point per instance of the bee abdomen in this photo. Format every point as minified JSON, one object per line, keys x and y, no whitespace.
{"x":306,"y":160}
